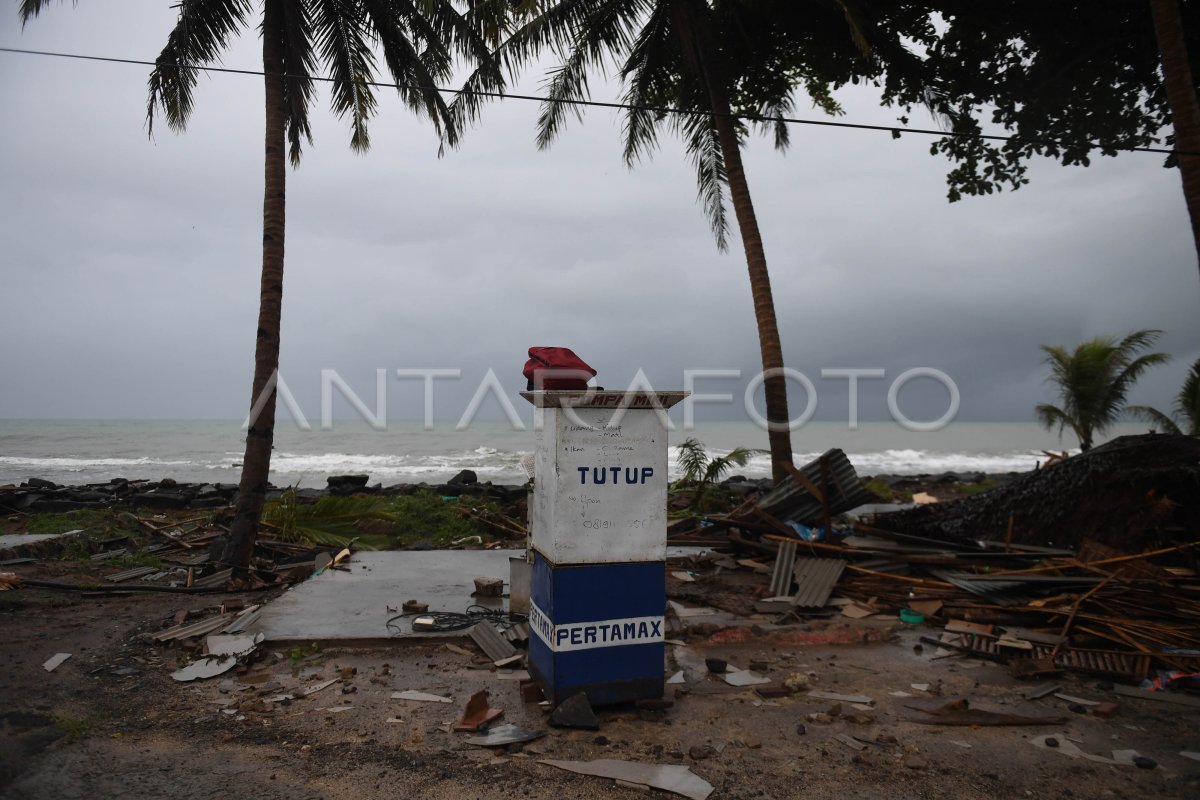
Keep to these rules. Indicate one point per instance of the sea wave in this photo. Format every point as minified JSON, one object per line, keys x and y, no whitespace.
{"x":896,"y":462}
{"x":489,"y":463}
{"x":73,"y":464}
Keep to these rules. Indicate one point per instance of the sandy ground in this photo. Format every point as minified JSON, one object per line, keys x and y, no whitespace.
{"x":84,"y":732}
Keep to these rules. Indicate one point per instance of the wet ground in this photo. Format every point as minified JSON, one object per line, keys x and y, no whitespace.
{"x":110,"y":721}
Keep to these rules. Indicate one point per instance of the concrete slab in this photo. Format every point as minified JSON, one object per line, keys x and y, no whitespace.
{"x":338,"y":606}
{"x":11,"y":540}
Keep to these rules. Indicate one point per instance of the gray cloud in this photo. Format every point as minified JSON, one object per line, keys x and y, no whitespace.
{"x":131,"y":265}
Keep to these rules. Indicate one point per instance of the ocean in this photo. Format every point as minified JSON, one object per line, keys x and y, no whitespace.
{"x":210,"y":451}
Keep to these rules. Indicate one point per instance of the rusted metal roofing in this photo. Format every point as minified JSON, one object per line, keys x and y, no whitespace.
{"x":790,"y":501}
{"x":815,"y":579}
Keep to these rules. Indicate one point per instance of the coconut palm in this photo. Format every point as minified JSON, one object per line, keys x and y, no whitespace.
{"x":717,"y":60}
{"x":1180,"y":89}
{"x":701,"y":472}
{"x":1093,"y":381}
{"x":418,"y":39}
{"x":1185,"y":418}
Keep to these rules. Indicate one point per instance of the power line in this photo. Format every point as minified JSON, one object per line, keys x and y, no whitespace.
{"x":892,"y":129}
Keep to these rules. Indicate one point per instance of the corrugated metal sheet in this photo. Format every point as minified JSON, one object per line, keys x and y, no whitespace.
{"x":212,"y":581}
{"x":210,"y":625}
{"x":1132,"y":666}
{"x":792,"y":502}
{"x":781,"y":575}
{"x":815,"y":579}
{"x":130,"y":574}
{"x":484,"y":634}
{"x":517,"y":633}
{"x":1000,"y":589}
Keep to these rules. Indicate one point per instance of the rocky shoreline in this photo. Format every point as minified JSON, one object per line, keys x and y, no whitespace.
{"x":36,"y":495}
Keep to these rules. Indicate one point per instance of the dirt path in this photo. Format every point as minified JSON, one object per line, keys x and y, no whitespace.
{"x":83,"y":731}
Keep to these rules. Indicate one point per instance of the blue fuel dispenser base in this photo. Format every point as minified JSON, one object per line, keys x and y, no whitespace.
{"x":598,"y":533}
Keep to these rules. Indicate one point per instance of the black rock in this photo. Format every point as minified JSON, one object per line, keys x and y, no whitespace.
{"x":1144,"y":762}
{"x":347,"y":480}
{"x":210,"y":502}
{"x":160,"y":500}
{"x":53,"y":506}
{"x":464,"y":478}
{"x":88,"y":497}
{"x":716,"y":665}
{"x":38,"y":483}
{"x":448,"y":490}
{"x":575,"y":712}
{"x":1052,"y":742}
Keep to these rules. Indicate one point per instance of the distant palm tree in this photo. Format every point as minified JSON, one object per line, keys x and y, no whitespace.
{"x":419,"y":40}
{"x":1185,"y":419}
{"x":1093,"y":381}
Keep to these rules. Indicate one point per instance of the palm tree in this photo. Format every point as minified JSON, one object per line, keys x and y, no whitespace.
{"x":716,"y":60}
{"x":1093,"y":381}
{"x":1185,"y":418}
{"x":702,"y":472}
{"x":418,"y":39}
{"x":1181,"y":95}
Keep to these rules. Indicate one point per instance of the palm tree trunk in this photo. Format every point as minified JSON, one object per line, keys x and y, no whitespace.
{"x":1181,"y":94}
{"x":695,"y":40}
{"x":256,"y":464}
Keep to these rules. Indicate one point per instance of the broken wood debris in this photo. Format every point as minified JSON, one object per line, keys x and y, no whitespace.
{"x":477,"y":713}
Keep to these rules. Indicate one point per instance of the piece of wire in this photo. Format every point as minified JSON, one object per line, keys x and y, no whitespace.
{"x":447,"y":621}
{"x":892,"y":129}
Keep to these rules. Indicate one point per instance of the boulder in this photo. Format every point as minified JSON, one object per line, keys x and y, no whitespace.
{"x":464,"y":478}
{"x":339,"y":481}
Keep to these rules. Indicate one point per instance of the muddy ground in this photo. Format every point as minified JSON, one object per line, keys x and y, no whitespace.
{"x":110,"y":721}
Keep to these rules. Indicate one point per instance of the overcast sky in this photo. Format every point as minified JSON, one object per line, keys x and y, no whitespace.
{"x":131,"y":266}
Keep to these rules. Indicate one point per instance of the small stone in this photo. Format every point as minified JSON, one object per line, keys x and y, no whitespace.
{"x":1144,"y":762}
{"x":915,"y":762}
{"x":1051,"y":742}
{"x":835,"y":710}
{"x":1075,"y":708}
{"x":600,"y":740}
{"x":820,"y":718}
{"x":800,"y":729}
{"x":700,"y":752}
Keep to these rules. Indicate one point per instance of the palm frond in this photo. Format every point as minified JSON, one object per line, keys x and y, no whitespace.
{"x":1156,"y":418}
{"x":1051,"y":416}
{"x":718,"y":466}
{"x":417,"y":54}
{"x":692,"y":460}
{"x":649,"y":71}
{"x":703,"y":146}
{"x":339,"y":29}
{"x":202,"y":31}
{"x":29,"y":9}
{"x":299,"y":63}
{"x":1187,"y":402}
{"x":329,"y":521}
